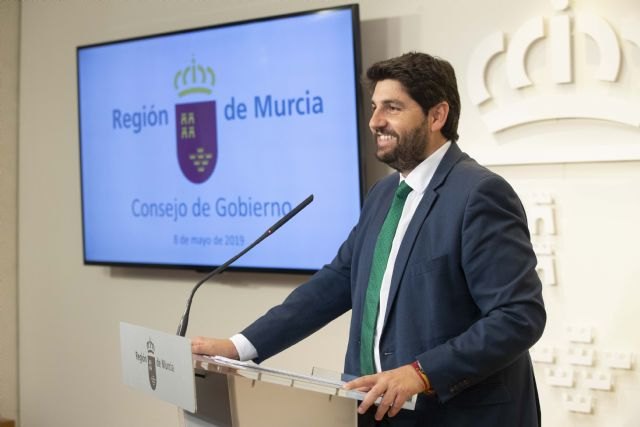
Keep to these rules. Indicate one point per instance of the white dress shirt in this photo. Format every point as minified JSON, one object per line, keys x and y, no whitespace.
{"x":418,"y":179}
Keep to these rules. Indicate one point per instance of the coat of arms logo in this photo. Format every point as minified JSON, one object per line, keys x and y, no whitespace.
{"x":151,"y":363}
{"x":196,"y":126}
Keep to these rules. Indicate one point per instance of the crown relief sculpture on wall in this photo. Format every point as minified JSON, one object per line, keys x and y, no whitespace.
{"x":556,"y":32}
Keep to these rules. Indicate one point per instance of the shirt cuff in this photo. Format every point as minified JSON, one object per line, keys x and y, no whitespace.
{"x":246,"y":350}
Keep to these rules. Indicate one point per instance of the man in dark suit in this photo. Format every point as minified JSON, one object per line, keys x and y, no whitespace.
{"x":439,"y":273}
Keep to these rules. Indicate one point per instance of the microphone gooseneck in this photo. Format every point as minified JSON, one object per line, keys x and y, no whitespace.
{"x":184,"y":321}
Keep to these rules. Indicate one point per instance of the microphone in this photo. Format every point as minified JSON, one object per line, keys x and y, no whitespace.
{"x":184,"y":321}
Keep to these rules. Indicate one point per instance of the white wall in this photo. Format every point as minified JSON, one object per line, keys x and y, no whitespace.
{"x":68,"y":313}
{"x":595,"y":207}
{"x":9,"y":30}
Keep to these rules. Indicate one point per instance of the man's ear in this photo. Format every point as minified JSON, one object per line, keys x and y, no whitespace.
{"x":438,"y":116}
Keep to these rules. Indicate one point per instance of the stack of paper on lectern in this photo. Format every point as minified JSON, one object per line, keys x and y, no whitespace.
{"x":321,"y":384}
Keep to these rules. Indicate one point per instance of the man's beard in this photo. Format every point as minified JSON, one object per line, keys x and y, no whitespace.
{"x":409,"y":152}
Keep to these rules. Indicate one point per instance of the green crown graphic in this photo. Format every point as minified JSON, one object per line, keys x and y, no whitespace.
{"x":194,"y":78}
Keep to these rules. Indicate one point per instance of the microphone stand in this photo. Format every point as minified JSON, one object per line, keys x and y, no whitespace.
{"x":184,"y":321}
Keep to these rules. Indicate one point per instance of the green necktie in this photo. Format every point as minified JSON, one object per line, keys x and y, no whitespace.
{"x":379,"y":265}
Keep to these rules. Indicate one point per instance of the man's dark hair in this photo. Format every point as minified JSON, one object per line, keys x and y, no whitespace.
{"x":427,"y":79}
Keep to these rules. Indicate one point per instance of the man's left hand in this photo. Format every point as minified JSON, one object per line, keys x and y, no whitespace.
{"x":394,"y":387}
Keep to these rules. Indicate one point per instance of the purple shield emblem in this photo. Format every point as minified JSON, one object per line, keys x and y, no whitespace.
{"x":197,"y":139}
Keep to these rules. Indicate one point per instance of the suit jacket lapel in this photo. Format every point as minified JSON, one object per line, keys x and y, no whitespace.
{"x":451,"y":157}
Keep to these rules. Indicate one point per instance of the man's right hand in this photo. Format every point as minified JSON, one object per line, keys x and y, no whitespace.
{"x":214,"y":347}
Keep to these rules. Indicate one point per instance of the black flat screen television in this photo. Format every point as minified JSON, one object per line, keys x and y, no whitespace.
{"x":193,"y":143}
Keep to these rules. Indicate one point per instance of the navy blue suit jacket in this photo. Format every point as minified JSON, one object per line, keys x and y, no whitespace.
{"x":465,"y":299}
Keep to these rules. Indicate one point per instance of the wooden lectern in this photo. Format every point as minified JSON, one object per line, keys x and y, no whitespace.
{"x":220,"y":392}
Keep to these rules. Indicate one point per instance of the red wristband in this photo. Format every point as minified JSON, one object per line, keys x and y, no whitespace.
{"x":422,"y":376}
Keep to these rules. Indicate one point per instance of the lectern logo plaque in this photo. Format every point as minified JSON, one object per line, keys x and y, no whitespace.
{"x":151,"y":363}
{"x":163,"y":370}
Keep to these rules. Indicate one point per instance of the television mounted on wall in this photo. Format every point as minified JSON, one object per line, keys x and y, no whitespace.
{"x":193,"y":143}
